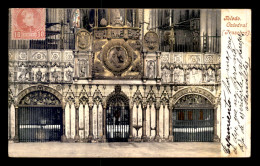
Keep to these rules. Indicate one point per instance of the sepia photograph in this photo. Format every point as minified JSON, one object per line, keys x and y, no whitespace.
{"x":129,"y":82}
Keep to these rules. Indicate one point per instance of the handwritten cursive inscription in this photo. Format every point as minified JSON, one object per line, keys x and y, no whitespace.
{"x":235,"y":94}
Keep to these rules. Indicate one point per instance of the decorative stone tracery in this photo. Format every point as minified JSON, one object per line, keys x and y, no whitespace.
{"x":39,"y":88}
{"x":193,"y":90}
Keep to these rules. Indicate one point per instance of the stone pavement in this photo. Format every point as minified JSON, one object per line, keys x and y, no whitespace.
{"x":115,"y":150}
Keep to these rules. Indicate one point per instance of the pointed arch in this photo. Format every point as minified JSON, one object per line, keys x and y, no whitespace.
{"x":151,"y":97}
{"x":137,"y":98}
{"x":117,"y":93}
{"x":83,"y":96}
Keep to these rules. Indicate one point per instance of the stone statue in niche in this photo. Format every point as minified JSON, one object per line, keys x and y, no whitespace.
{"x":46,"y":76}
{"x":39,"y":75}
{"x":55,"y":75}
{"x":169,"y":39}
{"x":196,"y":40}
{"x":117,"y":17}
{"x":69,"y":75}
{"x":187,"y":76}
{"x":195,"y":76}
{"x":25,"y":74}
{"x":204,"y":75}
{"x":166,"y":76}
{"x":210,"y":75}
{"x":22,"y":76}
{"x":178,"y":75}
{"x":83,"y":67}
{"x":151,"y":69}
{"x":103,"y":22}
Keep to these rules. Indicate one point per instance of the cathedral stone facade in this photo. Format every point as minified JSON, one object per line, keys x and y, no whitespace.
{"x":105,"y":75}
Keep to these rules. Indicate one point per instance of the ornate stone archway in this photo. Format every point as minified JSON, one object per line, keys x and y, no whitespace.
{"x":193,"y":90}
{"x":117,"y":115}
{"x":33,"y":89}
{"x":39,"y":88}
{"x":198,"y":91}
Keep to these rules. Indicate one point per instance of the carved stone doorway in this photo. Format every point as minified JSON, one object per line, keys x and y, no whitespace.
{"x":117,"y":119}
{"x":193,"y":119}
{"x":39,"y":117}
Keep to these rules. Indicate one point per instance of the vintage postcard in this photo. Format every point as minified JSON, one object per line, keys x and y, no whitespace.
{"x":129,"y":82}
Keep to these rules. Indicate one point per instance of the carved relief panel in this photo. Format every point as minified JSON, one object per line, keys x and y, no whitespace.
{"x":83,"y":67}
{"x":43,"y":66}
{"x":83,"y":40}
{"x":117,"y":59}
{"x":190,"y":68}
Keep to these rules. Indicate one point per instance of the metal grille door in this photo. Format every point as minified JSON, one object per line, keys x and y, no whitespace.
{"x":193,"y":125}
{"x":40,"y":124}
{"x":117,"y":123}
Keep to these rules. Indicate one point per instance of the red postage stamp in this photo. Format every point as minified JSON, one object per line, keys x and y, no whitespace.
{"x":28,"y":23}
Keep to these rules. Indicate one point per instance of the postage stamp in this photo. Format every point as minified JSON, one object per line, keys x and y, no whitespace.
{"x":28,"y":23}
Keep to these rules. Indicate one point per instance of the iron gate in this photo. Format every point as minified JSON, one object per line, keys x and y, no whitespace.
{"x":40,"y":124}
{"x":193,"y":125}
{"x":117,"y":120}
{"x":193,"y":119}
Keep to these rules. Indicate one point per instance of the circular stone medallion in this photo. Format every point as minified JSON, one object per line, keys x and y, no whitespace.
{"x":117,"y":59}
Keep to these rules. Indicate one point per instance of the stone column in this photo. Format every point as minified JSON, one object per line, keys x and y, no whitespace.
{"x":9,"y":120}
{"x":137,"y":18}
{"x":16,"y":138}
{"x":104,"y":124}
{"x":125,"y":18}
{"x":77,"y":123}
{"x":63,"y":137}
{"x":215,"y":138}
{"x":158,"y":70}
{"x":203,"y":23}
{"x":144,"y":66}
{"x":146,"y":19}
{"x":108,"y":20}
{"x":133,"y":18}
{"x":170,"y":122}
{"x":76,"y":74}
{"x":144,"y":137}
{"x":96,"y":18}
{"x":157,"y":136}
{"x":90,"y":137}
{"x":131,"y":123}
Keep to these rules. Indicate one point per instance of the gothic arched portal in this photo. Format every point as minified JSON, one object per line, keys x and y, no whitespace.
{"x":193,"y":119}
{"x":117,"y":118}
{"x":39,"y":117}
